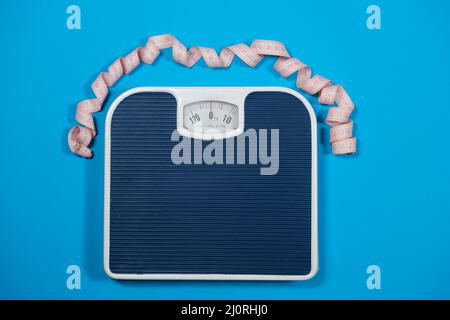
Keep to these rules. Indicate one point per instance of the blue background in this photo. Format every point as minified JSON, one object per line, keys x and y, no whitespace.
{"x":389,"y":205}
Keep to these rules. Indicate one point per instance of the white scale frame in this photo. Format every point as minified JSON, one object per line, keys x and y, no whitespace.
{"x":232,"y":95}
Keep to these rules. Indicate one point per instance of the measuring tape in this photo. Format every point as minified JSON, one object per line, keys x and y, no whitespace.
{"x":341,"y":131}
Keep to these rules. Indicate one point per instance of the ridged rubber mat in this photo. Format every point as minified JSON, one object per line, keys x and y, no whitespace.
{"x":208,"y":219}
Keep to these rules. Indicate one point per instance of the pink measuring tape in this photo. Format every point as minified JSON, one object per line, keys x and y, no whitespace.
{"x":341,"y":136}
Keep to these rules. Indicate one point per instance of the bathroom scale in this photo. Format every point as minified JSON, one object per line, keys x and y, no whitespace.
{"x":211,"y":183}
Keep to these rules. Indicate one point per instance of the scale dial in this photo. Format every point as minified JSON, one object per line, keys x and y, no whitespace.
{"x":211,"y":119}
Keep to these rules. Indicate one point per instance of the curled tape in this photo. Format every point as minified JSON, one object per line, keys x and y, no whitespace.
{"x":341,"y":138}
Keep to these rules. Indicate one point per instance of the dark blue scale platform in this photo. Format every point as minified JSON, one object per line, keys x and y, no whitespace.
{"x":208,"y":219}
